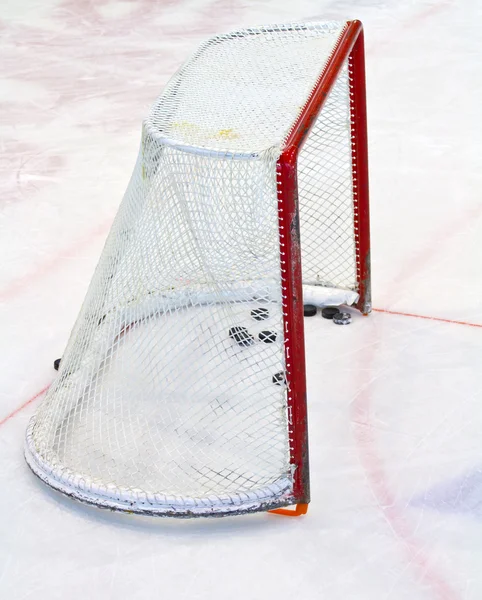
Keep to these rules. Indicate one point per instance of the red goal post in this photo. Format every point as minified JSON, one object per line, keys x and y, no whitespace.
{"x":350,"y":47}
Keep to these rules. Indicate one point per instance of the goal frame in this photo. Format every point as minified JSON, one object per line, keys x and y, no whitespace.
{"x":272,"y":475}
{"x":350,"y":47}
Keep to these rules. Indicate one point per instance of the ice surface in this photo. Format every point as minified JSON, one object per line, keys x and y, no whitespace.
{"x":395,"y":417}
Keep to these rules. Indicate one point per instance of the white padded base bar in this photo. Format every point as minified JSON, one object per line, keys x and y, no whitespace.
{"x":74,"y":485}
{"x":328,"y":296}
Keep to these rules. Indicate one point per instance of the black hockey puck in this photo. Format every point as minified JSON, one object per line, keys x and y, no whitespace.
{"x":260,"y":314}
{"x":241,"y":336}
{"x":328,"y":312}
{"x":309,"y":310}
{"x":268,"y":337}
{"x":279,"y":378}
{"x":57,"y":364}
{"x":342,"y":318}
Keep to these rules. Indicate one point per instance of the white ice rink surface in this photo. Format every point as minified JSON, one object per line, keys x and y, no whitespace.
{"x":395,"y":400}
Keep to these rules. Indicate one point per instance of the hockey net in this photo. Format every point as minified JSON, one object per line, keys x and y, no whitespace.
{"x":172,"y":399}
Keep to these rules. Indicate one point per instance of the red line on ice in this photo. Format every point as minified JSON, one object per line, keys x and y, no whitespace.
{"x":24,"y":405}
{"x":428,"y":318}
{"x":17,"y":286}
{"x":363,"y":431}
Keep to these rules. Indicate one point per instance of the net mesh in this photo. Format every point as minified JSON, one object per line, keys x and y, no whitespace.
{"x":325,"y":189}
{"x":169,"y":398}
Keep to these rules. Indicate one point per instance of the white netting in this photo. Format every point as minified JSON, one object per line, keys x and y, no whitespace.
{"x":160,"y":405}
{"x":326,"y":195}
